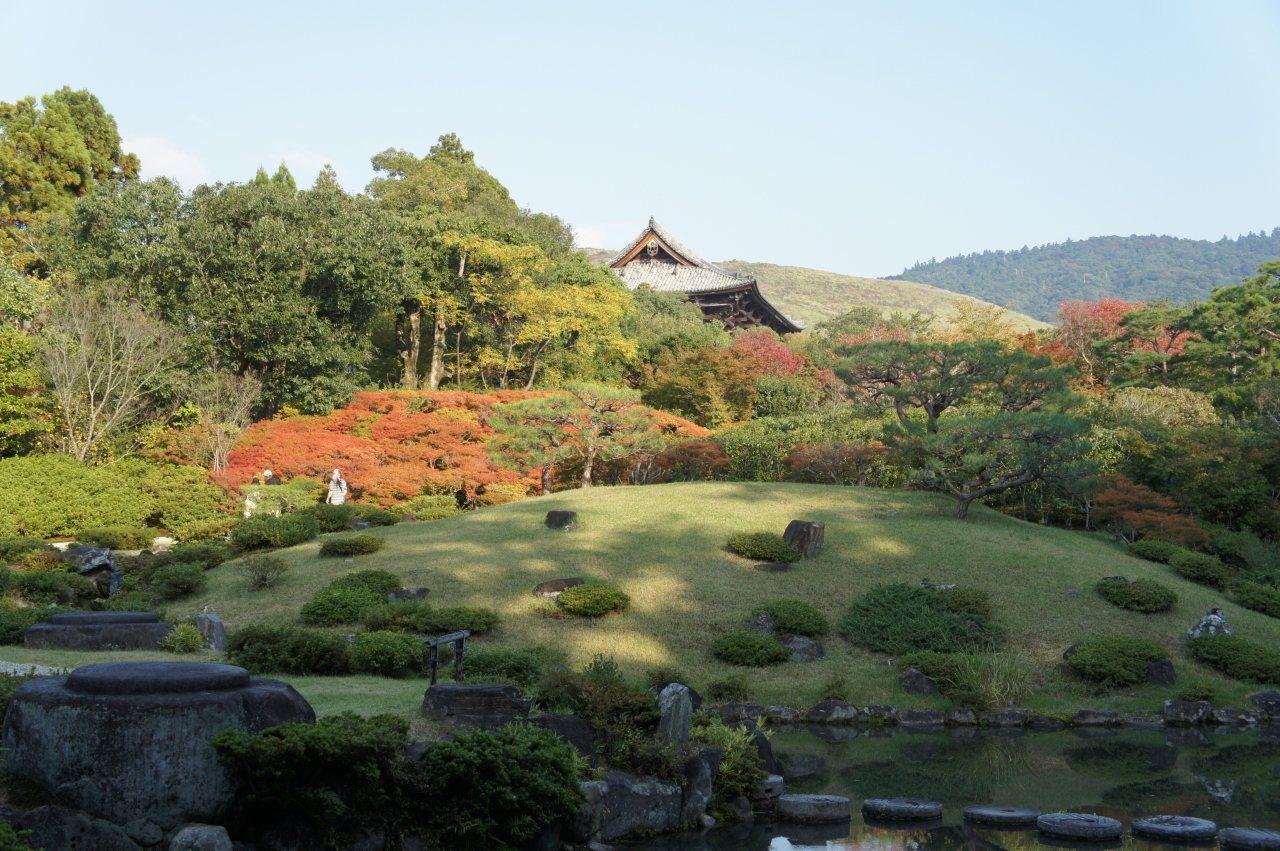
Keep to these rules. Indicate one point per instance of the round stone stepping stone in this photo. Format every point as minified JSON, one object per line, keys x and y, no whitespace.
{"x":1249,"y":839}
{"x":901,"y":809}
{"x":1080,"y":826}
{"x":814,"y":809}
{"x":95,"y":618}
{"x":1175,"y":828}
{"x":156,"y":678}
{"x":999,"y":814}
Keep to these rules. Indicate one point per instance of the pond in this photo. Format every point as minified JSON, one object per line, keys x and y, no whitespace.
{"x":1232,"y":778}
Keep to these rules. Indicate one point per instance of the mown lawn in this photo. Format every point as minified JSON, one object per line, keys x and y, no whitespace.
{"x":665,"y":546}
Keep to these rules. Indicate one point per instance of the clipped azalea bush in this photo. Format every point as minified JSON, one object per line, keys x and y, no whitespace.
{"x":1141,"y":595}
{"x":1154,"y":550}
{"x":1259,"y":597}
{"x":353,"y":545}
{"x":388,"y":654}
{"x":14,"y":548}
{"x":796,"y":617}
{"x":1202,"y":569}
{"x":1116,"y":660}
{"x":207,"y":554}
{"x":336,"y":605}
{"x":593,"y":599}
{"x":117,"y":537}
{"x":381,"y":582}
{"x":415,"y":616}
{"x":900,"y":618}
{"x":287,"y":530}
{"x":748,"y":649}
{"x":1238,"y":658}
{"x":764,"y":546}
{"x":289,"y":650}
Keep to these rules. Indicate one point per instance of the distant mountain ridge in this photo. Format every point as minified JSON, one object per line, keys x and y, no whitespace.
{"x":1135,"y":268}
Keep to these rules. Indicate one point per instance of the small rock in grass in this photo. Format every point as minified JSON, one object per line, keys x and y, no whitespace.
{"x":563,"y":520}
{"x":803,"y":649}
{"x":918,"y":683}
{"x":761,"y":624}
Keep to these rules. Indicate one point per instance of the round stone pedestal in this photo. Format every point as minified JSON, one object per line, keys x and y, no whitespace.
{"x":129,"y":741}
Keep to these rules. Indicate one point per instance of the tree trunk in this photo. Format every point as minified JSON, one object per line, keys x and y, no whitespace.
{"x":962,"y":507}
{"x":533,"y":371}
{"x":437,"y":351}
{"x":409,"y":332}
{"x":588,"y":461}
{"x":546,"y":479}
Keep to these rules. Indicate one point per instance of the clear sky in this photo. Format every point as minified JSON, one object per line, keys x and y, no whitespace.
{"x":854,"y":137}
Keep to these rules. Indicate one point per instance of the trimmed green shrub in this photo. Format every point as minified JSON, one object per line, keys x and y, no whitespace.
{"x":431,"y":506}
{"x":353,"y":545}
{"x":117,"y":537}
{"x":14,"y":840}
{"x":963,"y":600}
{"x":13,"y":549}
{"x":593,"y":600}
{"x":764,"y":546}
{"x":337,"y":605}
{"x":664,"y":675}
{"x":185,"y":638}
{"x":207,"y":530}
{"x":41,"y":561}
{"x":414,"y":616}
{"x":1116,"y":660}
{"x":376,"y":516}
{"x":1203,"y":569}
{"x":331,"y":518}
{"x":6,"y":578}
{"x":748,"y":649}
{"x":733,"y":688}
{"x":207,"y":554}
{"x":1141,"y":595}
{"x":55,"y":586}
{"x":388,"y":654}
{"x":14,"y":623}
{"x":1260,"y":598}
{"x":1238,"y":658}
{"x":1154,"y":550}
{"x":289,"y":650}
{"x":380,"y":582}
{"x":287,"y":530}
{"x":1197,"y":690}
{"x":504,"y":665}
{"x":899,"y":618}
{"x":46,"y":495}
{"x":796,"y":617}
{"x":739,"y":772}
{"x":262,"y":570}
{"x":174,"y":581}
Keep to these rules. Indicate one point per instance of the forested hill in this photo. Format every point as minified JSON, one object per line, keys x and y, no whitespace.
{"x":1135,"y":268}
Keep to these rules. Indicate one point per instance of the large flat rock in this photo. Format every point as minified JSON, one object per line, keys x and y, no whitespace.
{"x":814,"y":809}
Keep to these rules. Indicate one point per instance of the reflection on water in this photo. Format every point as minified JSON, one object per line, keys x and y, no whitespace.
{"x":1232,"y":778}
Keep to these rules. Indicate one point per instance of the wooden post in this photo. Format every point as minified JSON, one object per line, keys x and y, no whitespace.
{"x":459,"y":648}
{"x":433,"y":660}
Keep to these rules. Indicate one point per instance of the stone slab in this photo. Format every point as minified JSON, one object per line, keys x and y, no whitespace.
{"x":814,"y":809}
{"x":123,"y":636}
{"x":100,"y":618}
{"x":552,"y":587}
{"x":1249,"y":839}
{"x":156,"y":678}
{"x":1079,"y":826}
{"x":1001,"y":815}
{"x":1175,"y":828}
{"x":901,"y":809}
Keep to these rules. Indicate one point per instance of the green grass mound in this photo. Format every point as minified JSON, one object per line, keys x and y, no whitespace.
{"x":361,"y":544}
{"x":1116,"y":660}
{"x":748,"y":649}
{"x":1141,"y":595}
{"x":796,"y":617}
{"x":900,"y":618}
{"x":1238,"y":658}
{"x":764,"y":546}
{"x":593,"y":600}
{"x":1202,"y":569}
{"x":1259,"y":597}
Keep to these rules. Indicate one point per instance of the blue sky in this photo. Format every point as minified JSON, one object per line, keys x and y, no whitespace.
{"x":855,"y":137}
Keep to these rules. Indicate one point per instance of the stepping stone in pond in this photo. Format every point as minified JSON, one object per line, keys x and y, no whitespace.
{"x":1080,"y":826}
{"x":901,"y":809}
{"x":814,"y":809}
{"x":1001,"y":815}
{"x":1175,"y":828}
{"x":1249,"y":839}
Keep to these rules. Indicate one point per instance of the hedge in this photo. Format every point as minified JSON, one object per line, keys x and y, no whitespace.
{"x":749,"y":649}
{"x":1141,"y":595}
{"x":1238,"y":658}
{"x":1116,"y":660}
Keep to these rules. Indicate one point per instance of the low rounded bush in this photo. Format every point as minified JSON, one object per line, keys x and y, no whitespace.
{"x":287,"y":530}
{"x":414,"y":616}
{"x":388,"y":654}
{"x":174,"y":581}
{"x":1116,"y":660}
{"x":963,"y":600}
{"x":13,"y":549}
{"x":331,"y":518}
{"x":796,"y":617}
{"x":1153,"y":550}
{"x":593,"y":600}
{"x":1260,"y":598}
{"x":185,"y":638}
{"x":1238,"y":658}
{"x":733,"y":688}
{"x":43,"y":561}
{"x":1141,"y":595}
{"x":764,"y":546}
{"x":899,"y":618}
{"x":380,"y":582}
{"x":431,"y":506}
{"x":376,"y":516}
{"x":1202,"y":569}
{"x":289,"y":650}
{"x":117,"y":537}
{"x":207,"y":530}
{"x":663,"y":675}
{"x":522,"y":667}
{"x":54,"y":587}
{"x":338,"y":605}
{"x":353,"y":545}
{"x":262,"y":570}
{"x":748,"y":649}
{"x":1193,"y":691}
{"x":14,"y":623}
{"x":207,"y":554}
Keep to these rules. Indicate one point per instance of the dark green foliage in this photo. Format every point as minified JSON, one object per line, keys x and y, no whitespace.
{"x":796,"y":617}
{"x":1142,"y":595}
{"x":733,"y":688}
{"x":967,"y":601}
{"x":174,"y":581}
{"x":498,"y":790}
{"x":353,"y":545}
{"x":13,"y":549}
{"x":1238,"y":658}
{"x":14,"y":840}
{"x":1197,"y":690}
{"x":342,"y":767}
{"x":55,"y":586}
{"x":1202,"y":568}
{"x":593,"y":600}
{"x":664,"y":675}
{"x":6,"y":578}
{"x":207,"y":554}
{"x":337,"y":605}
{"x":261,"y":570}
{"x":1260,"y":598}
{"x":14,"y":623}
{"x":289,"y":650}
{"x":287,"y":530}
{"x":388,"y":654}
{"x":522,"y":667}
{"x":117,"y":537}
{"x":185,"y":638}
{"x":8,"y":686}
{"x":380,"y":582}
{"x":413,"y":616}
{"x":748,"y":649}
{"x":739,"y":772}
{"x":900,"y":618}
{"x":335,"y":518}
{"x":377,"y":516}
{"x":764,"y":546}
{"x":1145,"y":795}
{"x":1116,"y":660}
{"x":1155,"y":550}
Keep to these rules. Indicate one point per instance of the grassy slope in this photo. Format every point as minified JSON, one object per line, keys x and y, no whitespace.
{"x":665,"y":546}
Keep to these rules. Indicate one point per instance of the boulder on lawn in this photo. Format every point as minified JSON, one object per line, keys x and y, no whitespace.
{"x":1161,"y":672}
{"x":475,"y":707}
{"x":638,"y":804}
{"x":1213,"y":623}
{"x":551,"y":588}
{"x":761,"y":623}
{"x":699,"y":777}
{"x":805,"y":536}
{"x":562,"y":520}
{"x":803,"y":649}
{"x":918,"y":683}
{"x":833,"y":712}
{"x":1186,"y":713}
{"x":88,"y":559}
{"x":676,"y":711}
{"x":359,"y":525}
{"x":211,"y":628}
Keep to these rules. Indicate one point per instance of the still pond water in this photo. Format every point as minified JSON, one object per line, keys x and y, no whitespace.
{"x":1230,"y":778}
